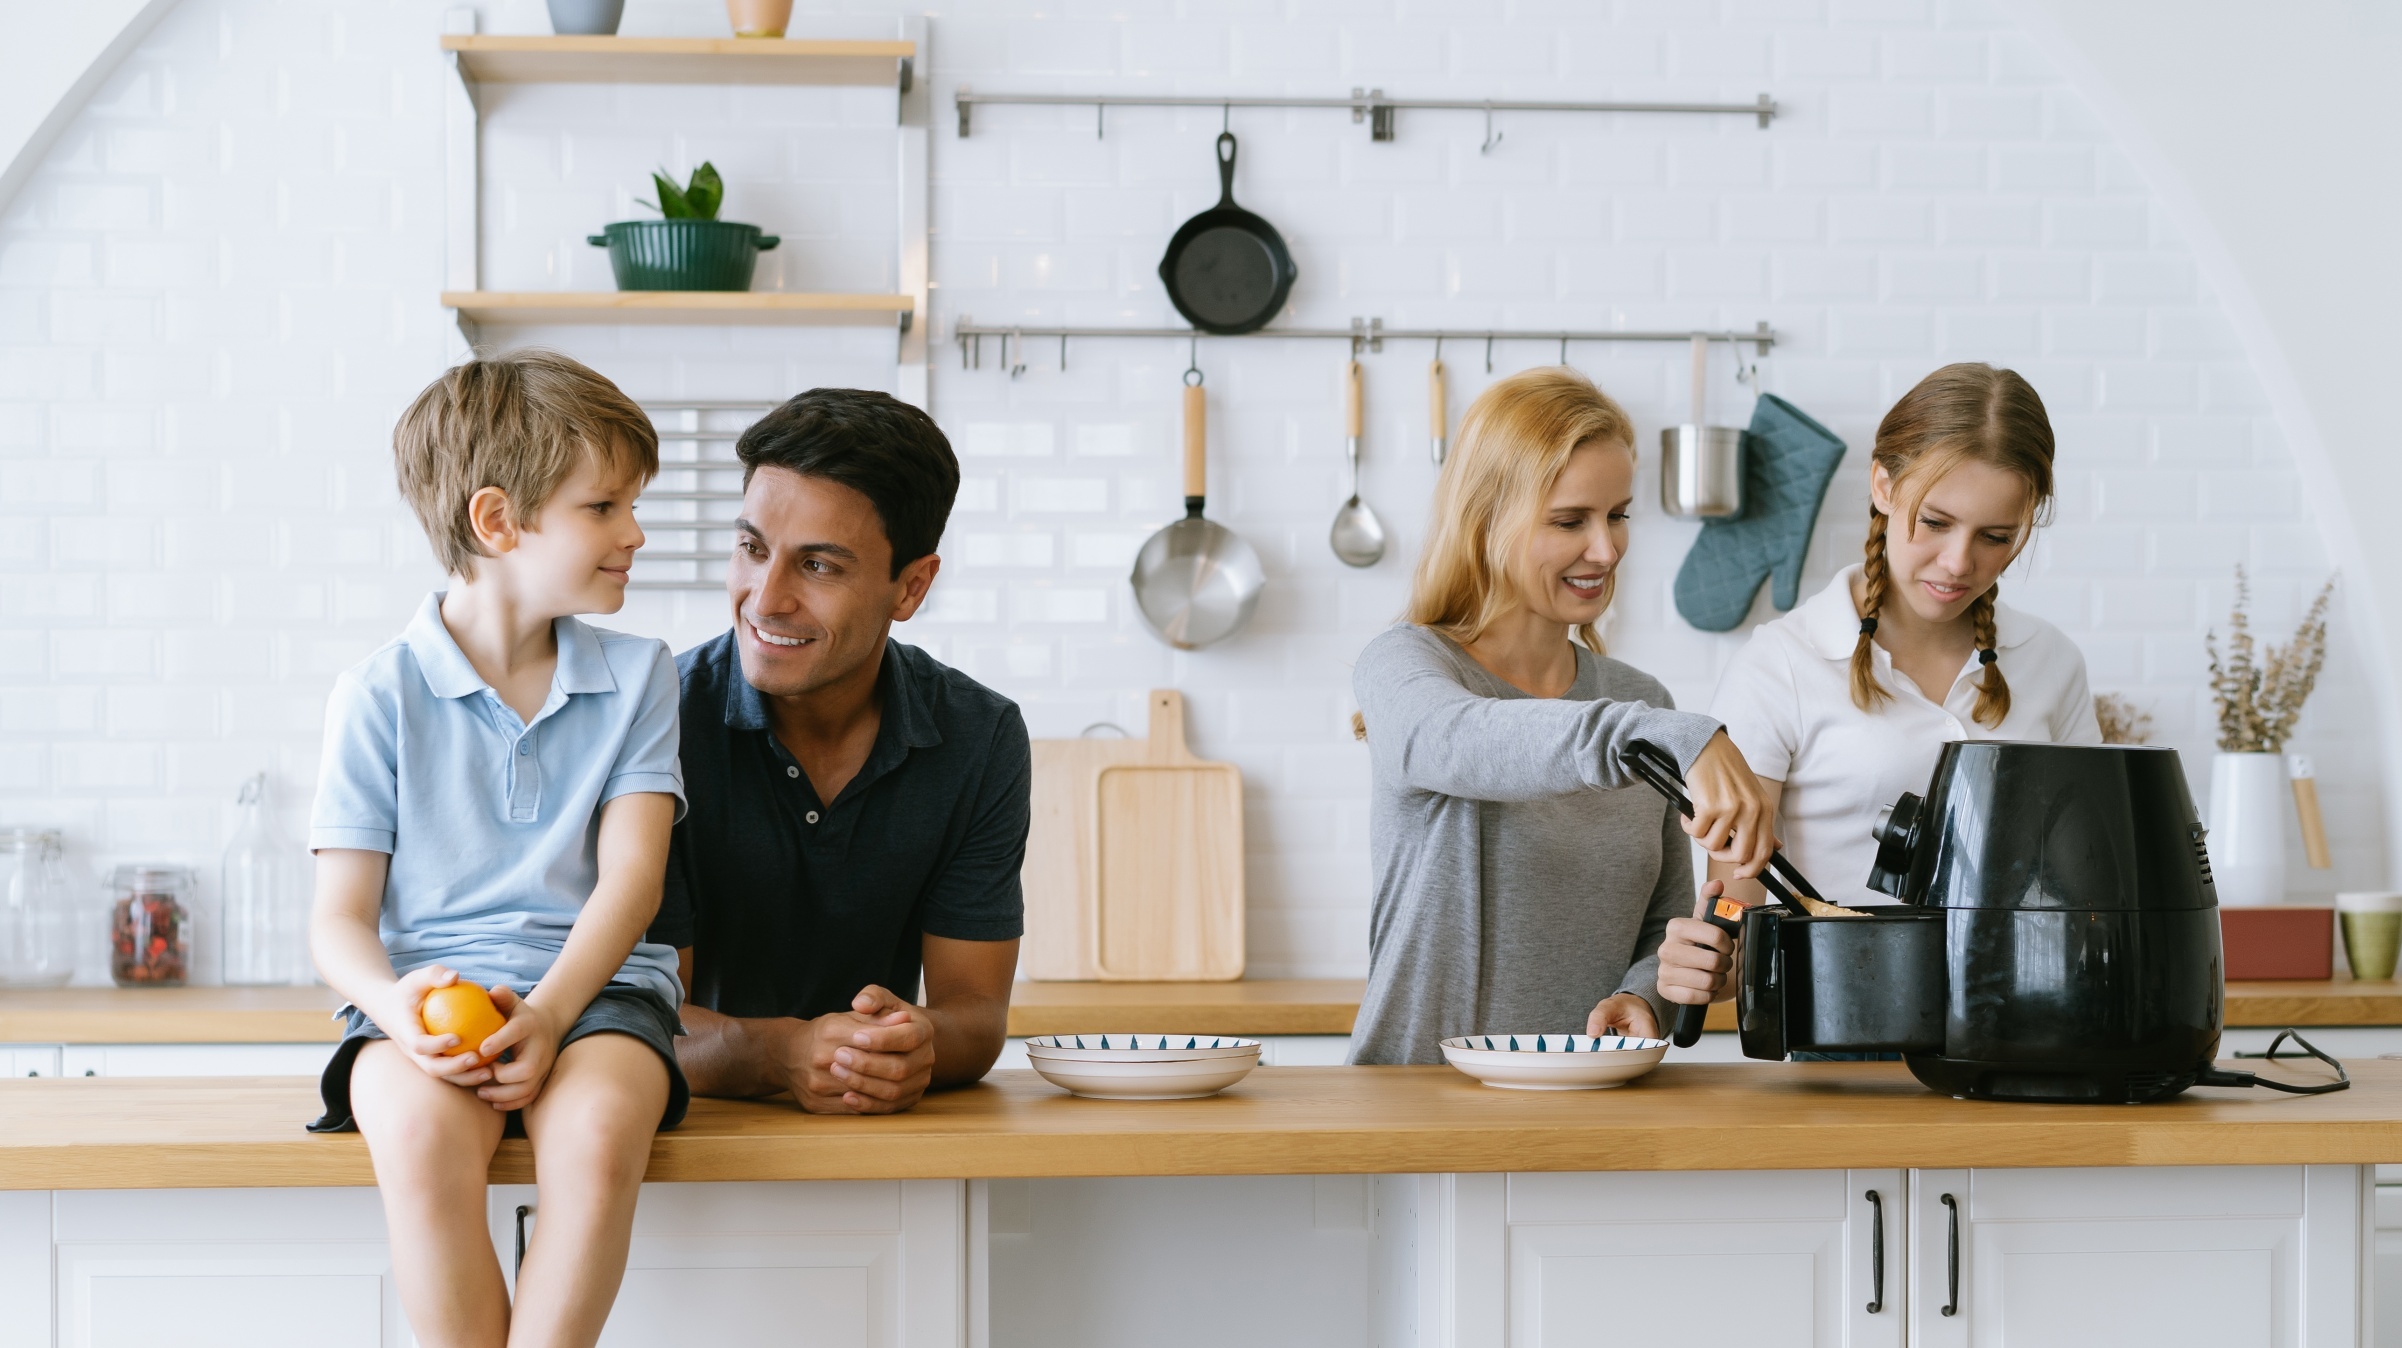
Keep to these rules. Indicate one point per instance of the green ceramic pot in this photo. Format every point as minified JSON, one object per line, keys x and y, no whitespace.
{"x":683,"y":254}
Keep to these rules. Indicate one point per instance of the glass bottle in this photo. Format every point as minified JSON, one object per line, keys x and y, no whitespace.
{"x":150,"y":926}
{"x":37,"y":910}
{"x":265,"y":918}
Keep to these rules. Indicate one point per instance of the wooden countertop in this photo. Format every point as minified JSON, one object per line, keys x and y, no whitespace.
{"x":240,"y":1132}
{"x":1251,"y":1006}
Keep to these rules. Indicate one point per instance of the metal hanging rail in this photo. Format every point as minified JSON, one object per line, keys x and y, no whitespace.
{"x":1364,"y":334}
{"x":1365,"y":105}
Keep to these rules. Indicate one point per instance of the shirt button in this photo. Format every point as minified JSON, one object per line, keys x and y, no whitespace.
{"x":792,"y":772}
{"x":524,"y":748}
{"x":811,"y":816}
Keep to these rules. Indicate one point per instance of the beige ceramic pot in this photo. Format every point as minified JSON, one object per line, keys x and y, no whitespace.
{"x":759,"y":18}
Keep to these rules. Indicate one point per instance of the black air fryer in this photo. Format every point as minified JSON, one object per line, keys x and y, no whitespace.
{"x":2059,"y":939}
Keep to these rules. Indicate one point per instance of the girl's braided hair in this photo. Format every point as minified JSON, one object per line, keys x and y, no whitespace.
{"x":1960,"y":413}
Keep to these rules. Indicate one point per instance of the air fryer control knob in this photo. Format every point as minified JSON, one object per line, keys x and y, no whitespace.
{"x":1897,"y":845}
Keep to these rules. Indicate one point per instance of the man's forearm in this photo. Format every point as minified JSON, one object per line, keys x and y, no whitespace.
{"x":725,"y":1056}
{"x":968,"y":1034}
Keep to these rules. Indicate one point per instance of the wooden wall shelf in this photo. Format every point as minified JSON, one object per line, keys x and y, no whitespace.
{"x":678,"y":60}
{"x":677,"y":306}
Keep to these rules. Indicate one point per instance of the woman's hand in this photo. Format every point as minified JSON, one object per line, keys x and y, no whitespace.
{"x":1695,"y":957}
{"x":1733,"y":819}
{"x":1623,"y":1013}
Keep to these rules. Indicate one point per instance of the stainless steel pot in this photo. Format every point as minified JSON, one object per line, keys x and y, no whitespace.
{"x":1701,"y":466}
{"x":1701,"y":471}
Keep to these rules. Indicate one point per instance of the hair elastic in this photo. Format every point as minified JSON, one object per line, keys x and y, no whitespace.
{"x":1868,"y":627}
{"x":1987,"y":656}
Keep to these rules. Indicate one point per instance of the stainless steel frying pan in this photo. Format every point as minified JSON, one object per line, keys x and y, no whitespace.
{"x":1195,"y":581}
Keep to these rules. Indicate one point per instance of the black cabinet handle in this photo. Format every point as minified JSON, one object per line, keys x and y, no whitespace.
{"x":524,"y":1211}
{"x":1951,"y":1258}
{"x":1876,"y":1252}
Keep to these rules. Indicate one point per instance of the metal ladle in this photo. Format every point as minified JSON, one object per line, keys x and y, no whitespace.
{"x":1357,"y":536}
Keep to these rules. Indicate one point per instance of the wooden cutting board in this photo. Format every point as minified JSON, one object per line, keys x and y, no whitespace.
{"x":1134,"y":863}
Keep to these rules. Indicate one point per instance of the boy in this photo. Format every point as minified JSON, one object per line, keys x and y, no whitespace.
{"x":497,"y":791}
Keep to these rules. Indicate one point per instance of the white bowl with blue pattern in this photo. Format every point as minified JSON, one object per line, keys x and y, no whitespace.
{"x":1142,"y":1066}
{"x":1554,"y":1062}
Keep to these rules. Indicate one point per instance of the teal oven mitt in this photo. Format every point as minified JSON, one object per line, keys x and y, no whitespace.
{"x":1789,"y":462}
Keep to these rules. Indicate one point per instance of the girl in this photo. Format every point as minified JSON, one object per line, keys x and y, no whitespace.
{"x":1844,"y":704}
{"x":1524,"y":880}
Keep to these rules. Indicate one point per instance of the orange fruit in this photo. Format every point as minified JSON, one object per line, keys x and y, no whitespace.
{"x":462,"y":1009}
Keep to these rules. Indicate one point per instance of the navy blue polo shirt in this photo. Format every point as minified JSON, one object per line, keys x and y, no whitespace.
{"x":791,"y":905}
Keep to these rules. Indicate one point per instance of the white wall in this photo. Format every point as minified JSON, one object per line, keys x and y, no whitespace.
{"x":2266,"y":129}
{"x":218,"y":289}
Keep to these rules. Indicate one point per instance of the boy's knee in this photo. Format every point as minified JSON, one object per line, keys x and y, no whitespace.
{"x":413,"y":1121}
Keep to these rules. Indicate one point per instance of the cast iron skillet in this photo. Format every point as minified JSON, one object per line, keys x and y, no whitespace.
{"x":1227,"y":270}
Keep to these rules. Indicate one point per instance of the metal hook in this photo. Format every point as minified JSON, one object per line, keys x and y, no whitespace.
{"x":1225,"y":119}
{"x":1192,"y":363}
{"x":1563,"y":350}
{"x":1488,"y":353}
{"x":1492,"y":138}
{"x":1099,"y":110}
{"x":1018,"y":366}
{"x":1746,"y":375}
{"x":1438,"y":348}
{"x":1063,"y":353}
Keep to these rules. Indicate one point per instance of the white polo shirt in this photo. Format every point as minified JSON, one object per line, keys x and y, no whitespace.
{"x":1787,"y":704}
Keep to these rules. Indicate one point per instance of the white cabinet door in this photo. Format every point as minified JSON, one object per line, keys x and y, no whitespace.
{"x":2203,"y":1257}
{"x":1746,"y":1259}
{"x":817,"y":1265}
{"x":195,"y":1060}
{"x":224,"y":1268}
{"x":29,"y":1060}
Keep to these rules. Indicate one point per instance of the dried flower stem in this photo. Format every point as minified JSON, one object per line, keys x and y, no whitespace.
{"x":2260,"y":699}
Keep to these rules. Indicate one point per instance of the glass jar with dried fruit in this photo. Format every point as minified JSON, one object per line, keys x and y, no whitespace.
{"x":150,"y":926}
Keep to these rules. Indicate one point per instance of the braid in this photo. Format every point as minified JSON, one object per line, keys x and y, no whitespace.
{"x":1867,"y":693}
{"x":1993,"y":692}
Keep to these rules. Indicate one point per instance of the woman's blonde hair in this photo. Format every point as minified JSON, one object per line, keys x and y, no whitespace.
{"x":1512,"y":444}
{"x":1959,"y":414}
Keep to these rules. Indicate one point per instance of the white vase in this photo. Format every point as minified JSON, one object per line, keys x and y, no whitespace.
{"x":2248,"y":795}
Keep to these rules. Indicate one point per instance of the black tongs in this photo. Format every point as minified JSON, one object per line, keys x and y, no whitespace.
{"x":1652,"y":763}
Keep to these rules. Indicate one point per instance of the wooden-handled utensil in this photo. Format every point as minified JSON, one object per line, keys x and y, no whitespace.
{"x":1195,"y":580}
{"x":2306,"y":807}
{"x":1357,"y":536}
{"x":1438,"y":419}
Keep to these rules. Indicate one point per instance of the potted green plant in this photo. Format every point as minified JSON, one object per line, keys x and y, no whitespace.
{"x":688,"y":248}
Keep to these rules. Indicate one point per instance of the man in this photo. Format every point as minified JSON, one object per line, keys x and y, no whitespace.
{"x":857,"y":810}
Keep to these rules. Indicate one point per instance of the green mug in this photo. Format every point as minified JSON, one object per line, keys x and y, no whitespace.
{"x":2372,"y":933}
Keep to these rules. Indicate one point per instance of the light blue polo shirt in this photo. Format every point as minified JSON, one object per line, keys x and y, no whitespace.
{"x":492,"y":823}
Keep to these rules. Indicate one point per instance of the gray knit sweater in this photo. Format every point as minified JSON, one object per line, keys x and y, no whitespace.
{"x":1521,"y":874}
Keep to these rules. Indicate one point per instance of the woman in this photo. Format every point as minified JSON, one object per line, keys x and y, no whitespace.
{"x":1524,"y":880}
{"x":1845,"y":703}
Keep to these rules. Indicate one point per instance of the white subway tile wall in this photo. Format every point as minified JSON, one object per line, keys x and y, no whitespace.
{"x":218,"y":292}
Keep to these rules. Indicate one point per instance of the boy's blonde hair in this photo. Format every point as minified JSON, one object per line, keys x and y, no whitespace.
{"x":521,"y":422}
{"x":1512,"y":444}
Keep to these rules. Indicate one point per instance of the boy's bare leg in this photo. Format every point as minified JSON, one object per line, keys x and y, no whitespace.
{"x":432,"y":1143}
{"x":591,"y":1128}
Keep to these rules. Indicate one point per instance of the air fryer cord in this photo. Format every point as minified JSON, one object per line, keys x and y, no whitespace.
{"x":2211,"y":1076}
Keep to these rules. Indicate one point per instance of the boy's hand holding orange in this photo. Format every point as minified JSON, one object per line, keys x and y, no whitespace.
{"x":448,"y":1049}
{"x":463,"y":1010}
{"x":531,"y":1039}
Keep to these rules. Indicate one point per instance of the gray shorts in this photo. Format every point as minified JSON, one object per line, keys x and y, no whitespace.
{"x":618,"y":1009}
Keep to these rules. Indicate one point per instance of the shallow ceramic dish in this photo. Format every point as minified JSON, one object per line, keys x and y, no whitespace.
{"x":1553,"y":1062}
{"x":1142,"y":1066}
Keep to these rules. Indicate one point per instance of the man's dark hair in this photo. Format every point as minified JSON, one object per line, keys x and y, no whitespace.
{"x":875,"y":444}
